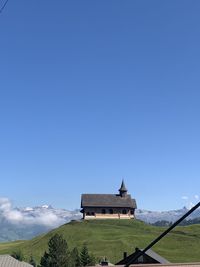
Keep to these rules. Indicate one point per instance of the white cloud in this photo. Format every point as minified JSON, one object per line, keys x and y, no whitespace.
{"x":42,"y":216}
{"x":185,"y":197}
{"x":196,"y":197}
{"x":5,"y":204}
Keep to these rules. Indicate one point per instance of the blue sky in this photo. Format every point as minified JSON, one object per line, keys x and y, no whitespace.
{"x":93,"y":91}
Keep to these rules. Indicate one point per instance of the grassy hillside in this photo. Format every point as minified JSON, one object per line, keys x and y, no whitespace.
{"x":112,"y":237}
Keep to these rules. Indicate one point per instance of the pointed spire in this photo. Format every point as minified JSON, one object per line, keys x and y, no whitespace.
{"x":123,"y":190}
{"x":123,"y":187}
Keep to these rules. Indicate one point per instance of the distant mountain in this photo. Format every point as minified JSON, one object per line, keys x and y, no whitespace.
{"x":183,"y":223}
{"x":26,"y":223}
{"x":168,"y":216}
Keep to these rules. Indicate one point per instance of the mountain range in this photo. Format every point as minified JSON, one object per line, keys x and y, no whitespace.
{"x":169,"y":216}
{"x":26,"y":223}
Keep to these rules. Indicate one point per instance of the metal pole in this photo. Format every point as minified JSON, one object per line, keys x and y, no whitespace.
{"x":163,"y":234}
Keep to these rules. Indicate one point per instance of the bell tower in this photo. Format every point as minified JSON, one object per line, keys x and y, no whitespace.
{"x":123,"y":191}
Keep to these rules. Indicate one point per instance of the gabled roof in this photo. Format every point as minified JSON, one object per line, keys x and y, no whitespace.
{"x":8,"y":261}
{"x":156,"y":256}
{"x":150,"y":253}
{"x":107,"y":200}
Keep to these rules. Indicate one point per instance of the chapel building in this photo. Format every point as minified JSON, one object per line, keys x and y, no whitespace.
{"x":108,"y":206}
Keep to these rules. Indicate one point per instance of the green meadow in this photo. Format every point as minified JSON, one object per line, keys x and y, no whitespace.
{"x":111,"y":238}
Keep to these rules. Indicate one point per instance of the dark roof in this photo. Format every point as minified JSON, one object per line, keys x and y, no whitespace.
{"x":123,"y":187}
{"x":156,"y":256}
{"x":107,"y":200}
{"x":150,"y":253}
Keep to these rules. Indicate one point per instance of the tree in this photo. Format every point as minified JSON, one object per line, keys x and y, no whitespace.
{"x":45,"y":260}
{"x":74,"y":258}
{"x":32,"y":261}
{"x":85,"y":258}
{"x":92,"y":260}
{"x":58,"y":255}
{"x":18,"y":255}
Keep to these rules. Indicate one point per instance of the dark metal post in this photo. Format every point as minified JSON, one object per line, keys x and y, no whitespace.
{"x":125,"y":255}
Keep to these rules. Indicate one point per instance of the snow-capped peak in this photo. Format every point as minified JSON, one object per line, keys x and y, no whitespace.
{"x":45,"y":206}
{"x":28,"y":209}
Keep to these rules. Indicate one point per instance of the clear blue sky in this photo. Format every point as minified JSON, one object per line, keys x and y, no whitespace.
{"x":93,"y":91}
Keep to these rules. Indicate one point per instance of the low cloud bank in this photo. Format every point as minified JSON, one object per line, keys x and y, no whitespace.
{"x":39,"y":216}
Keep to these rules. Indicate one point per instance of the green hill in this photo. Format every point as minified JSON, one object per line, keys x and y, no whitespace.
{"x":112,"y":237}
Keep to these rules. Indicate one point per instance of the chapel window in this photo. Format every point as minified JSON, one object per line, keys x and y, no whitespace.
{"x":124,"y":211}
{"x":111,"y":211}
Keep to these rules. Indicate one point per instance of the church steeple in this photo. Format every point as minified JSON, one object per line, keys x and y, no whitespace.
{"x":123,"y":191}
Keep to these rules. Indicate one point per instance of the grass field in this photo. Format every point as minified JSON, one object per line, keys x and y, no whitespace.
{"x":111,"y":238}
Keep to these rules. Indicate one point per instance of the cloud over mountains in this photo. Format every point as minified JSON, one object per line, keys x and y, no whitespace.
{"x":25,"y":223}
{"x":44,"y":215}
{"x":38,"y":216}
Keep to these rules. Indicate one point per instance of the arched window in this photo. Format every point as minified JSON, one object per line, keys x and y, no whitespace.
{"x":124,"y":211}
{"x":103,"y":211}
{"x":111,"y":211}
